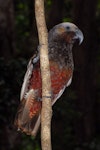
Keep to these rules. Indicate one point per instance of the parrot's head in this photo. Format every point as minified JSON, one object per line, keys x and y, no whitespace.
{"x":67,"y":32}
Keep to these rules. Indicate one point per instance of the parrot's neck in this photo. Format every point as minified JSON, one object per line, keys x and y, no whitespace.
{"x":61,"y":53}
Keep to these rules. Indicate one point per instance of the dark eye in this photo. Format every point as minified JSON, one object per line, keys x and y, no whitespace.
{"x":68,"y":28}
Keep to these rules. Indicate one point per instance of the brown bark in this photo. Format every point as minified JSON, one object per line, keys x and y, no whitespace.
{"x":7,"y":43}
{"x":46,"y":111}
{"x":84,"y":15}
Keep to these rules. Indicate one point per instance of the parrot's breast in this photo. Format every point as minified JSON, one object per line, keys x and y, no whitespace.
{"x":59,"y":79}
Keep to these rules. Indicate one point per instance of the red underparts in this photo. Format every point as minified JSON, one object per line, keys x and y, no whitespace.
{"x":59,"y":78}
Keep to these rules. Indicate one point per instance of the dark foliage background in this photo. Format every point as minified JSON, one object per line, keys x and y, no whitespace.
{"x":76,"y":115}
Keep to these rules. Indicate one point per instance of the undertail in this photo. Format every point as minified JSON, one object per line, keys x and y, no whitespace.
{"x":28,"y":116}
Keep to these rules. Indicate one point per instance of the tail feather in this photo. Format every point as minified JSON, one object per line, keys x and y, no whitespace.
{"x":28,"y":116}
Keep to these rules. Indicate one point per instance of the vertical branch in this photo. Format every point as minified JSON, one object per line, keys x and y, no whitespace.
{"x":46,"y":112}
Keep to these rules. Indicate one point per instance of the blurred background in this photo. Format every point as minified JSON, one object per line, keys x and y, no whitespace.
{"x":76,"y":115}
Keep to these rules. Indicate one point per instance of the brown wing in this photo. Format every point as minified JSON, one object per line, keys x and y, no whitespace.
{"x":28,"y":116}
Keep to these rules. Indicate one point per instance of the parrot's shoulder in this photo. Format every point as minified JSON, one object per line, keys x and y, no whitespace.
{"x":33,"y":60}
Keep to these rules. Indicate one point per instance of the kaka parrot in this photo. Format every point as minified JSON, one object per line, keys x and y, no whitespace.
{"x":60,"y":42}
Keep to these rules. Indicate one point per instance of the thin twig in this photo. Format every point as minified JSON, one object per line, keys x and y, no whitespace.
{"x":46,"y":112}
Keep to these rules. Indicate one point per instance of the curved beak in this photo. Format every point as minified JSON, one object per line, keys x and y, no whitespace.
{"x":79,"y":36}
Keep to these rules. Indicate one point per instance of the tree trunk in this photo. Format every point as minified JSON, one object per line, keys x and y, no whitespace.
{"x":85,"y":56}
{"x":7,"y":44}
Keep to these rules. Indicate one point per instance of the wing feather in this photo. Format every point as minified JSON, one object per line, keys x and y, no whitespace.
{"x":26,"y":80}
{"x":27,"y":76}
